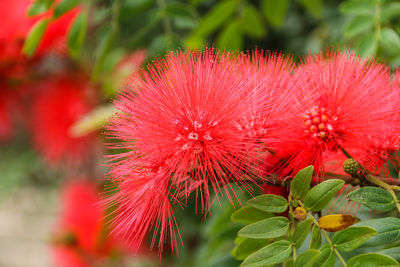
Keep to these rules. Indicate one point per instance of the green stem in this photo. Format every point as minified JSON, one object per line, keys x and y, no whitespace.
{"x":325,"y":235}
{"x":377,"y":20}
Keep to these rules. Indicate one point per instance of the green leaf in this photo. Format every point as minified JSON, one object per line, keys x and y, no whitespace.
{"x":307,"y":258}
{"x":327,"y":258}
{"x":248,"y":246}
{"x":301,"y":182}
{"x":76,"y":35}
{"x":320,"y":195}
{"x":268,"y":228}
{"x":269,"y":203}
{"x":216,"y":17}
{"x":275,"y":11}
{"x":251,"y":22}
{"x":288,"y":263}
{"x":358,"y":25}
{"x":358,"y":7}
{"x":375,"y":198}
{"x":272,"y":254}
{"x":390,"y":11}
{"x":353,"y":237}
{"x":388,"y":231}
{"x":65,"y":6}
{"x":249,"y":215}
{"x":39,"y":7}
{"x":316,"y":238}
{"x":392,"y":252}
{"x":231,"y":37}
{"x":390,"y":41}
{"x":104,"y":46}
{"x":313,"y":6}
{"x":367,"y":46}
{"x":301,"y":232}
{"x":34,"y":37}
{"x":372,"y":260}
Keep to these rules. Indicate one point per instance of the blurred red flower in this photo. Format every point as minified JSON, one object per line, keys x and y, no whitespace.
{"x":60,"y":103}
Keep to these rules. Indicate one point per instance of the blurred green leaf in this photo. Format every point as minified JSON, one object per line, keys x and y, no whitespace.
{"x":301,"y":182}
{"x":269,"y":203}
{"x":316,"y":238}
{"x":251,"y":22}
{"x":76,"y":35}
{"x":307,"y":259}
{"x":93,"y":121}
{"x":249,"y":215}
{"x":388,"y":231}
{"x":275,"y":11}
{"x":301,"y":232}
{"x":327,"y":258}
{"x":358,"y":7}
{"x":375,"y":198}
{"x":372,"y":260}
{"x":367,"y":45}
{"x":392,"y":252}
{"x":320,"y":195}
{"x":268,"y":228}
{"x":353,"y":237}
{"x":315,"y":7}
{"x":272,"y":254}
{"x":358,"y":25}
{"x":34,"y":37}
{"x":216,"y":17}
{"x":390,"y":11}
{"x":39,"y":6}
{"x":390,"y":41}
{"x":230,"y":37}
{"x":65,"y":6}
{"x":105,"y":42}
{"x":248,"y":246}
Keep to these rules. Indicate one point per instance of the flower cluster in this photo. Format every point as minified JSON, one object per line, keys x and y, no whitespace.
{"x":205,"y":122}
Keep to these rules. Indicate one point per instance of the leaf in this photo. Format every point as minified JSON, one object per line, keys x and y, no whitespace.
{"x":231,"y":37}
{"x":316,"y":238}
{"x":358,"y":25}
{"x":272,"y":254}
{"x":392,"y":252}
{"x":320,"y":195}
{"x":65,"y":6}
{"x":372,"y":260}
{"x":92,"y":121}
{"x":249,"y":215}
{"x":300,"y":184}
{"x":76,"y":35}
{"x":34,"y":37}
{"x":275,"y":11}
{"x":336,"y":222}
{"x":39,"y":6}
{"x":390,"y":41}
{"x":375,"y":198}
{"x":313,"y":6}
{"x":269,"y":203}
{"x":104,"y":45}
{"x":388,"y":231}
{"x":251,"y":22}
{"x":216,"y":17}
{"x":327,"y":258}
{"x":390,"y":11}
{"x":352,"y":237}
{"x":307,"y":258}
{"x":367,"y":46}
{"x":248,"y":246}
{"x":358,"y":7}
{"x":268,"y":228}
{"x":301,"y":232}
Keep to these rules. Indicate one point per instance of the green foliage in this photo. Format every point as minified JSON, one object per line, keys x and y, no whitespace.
{"x":274,"y":253}
{"x":77,"y":34}
{"x":316,"y":238}
{"x":372,"y":260}
{"x":269,"y":203}
{"x":249,"y":215}
{"x":307,"y":259}
{"x":65,"y":6}
{"x":352,"y":237}
{"x":373,"y":197}
{"x":300,"y":184}
{"x":388,"y":231}
{"x":268,"y":228}
{"x":248,"y":246}
{"x":327,"y":258}
{"x":34,"y":36}
{"x":301,"y":232}
{"x":275,"y":11}
{"x":320,"y":195}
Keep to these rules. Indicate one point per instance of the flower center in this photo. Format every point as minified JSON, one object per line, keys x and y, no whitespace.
{"x":317,"y":124}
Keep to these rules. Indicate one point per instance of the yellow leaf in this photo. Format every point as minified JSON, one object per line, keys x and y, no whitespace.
{"x":337,"y":222}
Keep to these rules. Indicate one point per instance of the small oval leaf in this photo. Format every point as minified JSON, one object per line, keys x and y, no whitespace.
{"x":388,"y":231}
{"x":372,"y":260}
{"x":301,"y":232}
{"x":352,"y":237}
{"x":327,"y":258}
{"x":301,"y":182}
{"x":307,"y":258}
{"x":268,"y":228}
{"x":272,"y":254}
{"x":34,"y":37}
{"x":375,"y":198}
{"x":320,"y":195}
{"x":269,"y":203}
{"x":249,"y":215}
{"x":248,"y":246}
{"x":316,"y":238}
{"x":337,"y":222}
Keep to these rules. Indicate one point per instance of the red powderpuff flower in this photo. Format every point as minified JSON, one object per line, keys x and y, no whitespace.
{"x":80,"y":239}
{"x":188,"y":126}
{"x":59,"y":105}
{"x":344,"y":103}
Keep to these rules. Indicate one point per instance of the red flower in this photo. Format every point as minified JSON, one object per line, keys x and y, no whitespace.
{"x":61,"y":102}
{"x":80,"y":238}
{"x":344,"y":102}
{"x":190,"y":124}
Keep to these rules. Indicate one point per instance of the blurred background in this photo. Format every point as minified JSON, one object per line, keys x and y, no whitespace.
{"x":63,"y":61}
